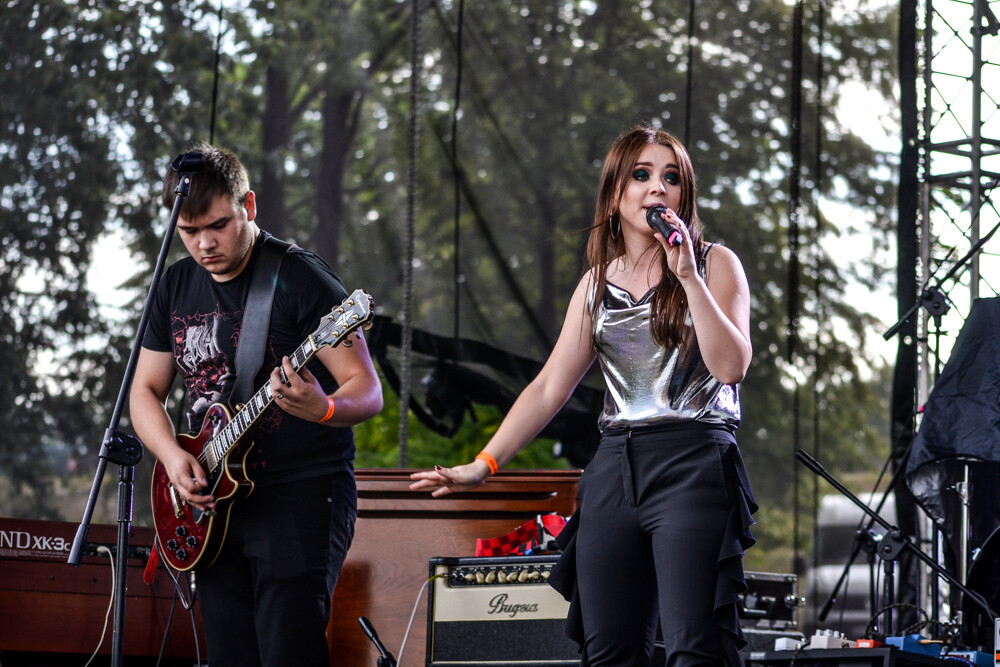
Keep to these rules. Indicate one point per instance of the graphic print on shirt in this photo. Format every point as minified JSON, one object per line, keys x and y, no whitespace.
{"x":204,"y":351}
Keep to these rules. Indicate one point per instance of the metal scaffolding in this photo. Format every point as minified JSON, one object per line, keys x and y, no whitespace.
{"x":949,"y":169}
{"x":958,"y":99}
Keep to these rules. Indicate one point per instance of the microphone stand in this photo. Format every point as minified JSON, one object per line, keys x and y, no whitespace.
{"x":933,"y":298}
{"x":121,"y":448}
{"x":385,"y":658}
{"x":864,"y":541}
{"x":894,"y":541}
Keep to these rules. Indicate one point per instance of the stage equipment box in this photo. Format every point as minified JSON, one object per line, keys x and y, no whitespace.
{"x":53,"y":614}
{"x":399,"y":530}
{"x":496,"y":611}
{"x":771,"y":601}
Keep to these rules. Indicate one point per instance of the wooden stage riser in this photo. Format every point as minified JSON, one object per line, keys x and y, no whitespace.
{"x":50,"y":607}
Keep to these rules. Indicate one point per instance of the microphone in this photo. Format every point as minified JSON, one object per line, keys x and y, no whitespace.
{"x":188,"y":162}
{"x":385,"y":658}
{"x":654,"y":216}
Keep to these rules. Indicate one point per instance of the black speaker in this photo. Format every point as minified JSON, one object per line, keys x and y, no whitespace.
{"x":496,"y":611}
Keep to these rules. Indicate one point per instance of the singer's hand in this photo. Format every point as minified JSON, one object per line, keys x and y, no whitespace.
{"x":442,"y":481}
{"x":680,"y":258}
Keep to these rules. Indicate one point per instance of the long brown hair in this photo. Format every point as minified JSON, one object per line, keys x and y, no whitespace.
{"x":669,"y":307}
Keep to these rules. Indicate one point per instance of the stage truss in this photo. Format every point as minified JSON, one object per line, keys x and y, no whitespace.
{"x":952,"y":154}
{"x":958,"y":97}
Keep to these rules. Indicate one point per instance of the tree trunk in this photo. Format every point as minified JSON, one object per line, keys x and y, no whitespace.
{"x":274,"y":128}
{"x":337,"y":134}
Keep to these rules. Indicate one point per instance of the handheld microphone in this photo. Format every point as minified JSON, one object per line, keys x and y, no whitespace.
{"x":654,"y":217}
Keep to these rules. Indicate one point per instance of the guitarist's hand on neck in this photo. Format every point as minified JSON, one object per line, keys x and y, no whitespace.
{"x":298,"y":394}
{"x":358,"y":395}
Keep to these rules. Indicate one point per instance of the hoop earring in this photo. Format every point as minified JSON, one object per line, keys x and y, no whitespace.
{"x":611,"y":226}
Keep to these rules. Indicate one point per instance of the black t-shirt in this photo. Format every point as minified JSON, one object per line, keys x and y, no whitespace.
{"x":198,"y":320}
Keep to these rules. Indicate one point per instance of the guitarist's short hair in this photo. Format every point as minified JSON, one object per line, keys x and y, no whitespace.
{"x":223,"y":174}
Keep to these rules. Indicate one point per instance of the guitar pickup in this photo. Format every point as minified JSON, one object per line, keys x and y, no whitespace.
{"x":177,"y":503}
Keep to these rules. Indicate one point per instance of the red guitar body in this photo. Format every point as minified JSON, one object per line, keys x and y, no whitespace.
{"x":189,"y":537}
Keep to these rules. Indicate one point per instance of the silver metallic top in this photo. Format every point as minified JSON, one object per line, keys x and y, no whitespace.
{"x":649,"y":384}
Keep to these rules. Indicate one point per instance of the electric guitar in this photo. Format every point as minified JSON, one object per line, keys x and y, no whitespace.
{"x":188,"y":536}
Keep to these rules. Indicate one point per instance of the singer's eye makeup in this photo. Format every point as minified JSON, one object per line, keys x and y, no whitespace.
{"x":671,"y":177}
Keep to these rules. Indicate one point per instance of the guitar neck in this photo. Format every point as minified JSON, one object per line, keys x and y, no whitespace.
{"x":353,"y":312}
{"x":222,"y":442}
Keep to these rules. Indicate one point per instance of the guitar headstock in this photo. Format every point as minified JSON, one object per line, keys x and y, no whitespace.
{"x":355,"y":311}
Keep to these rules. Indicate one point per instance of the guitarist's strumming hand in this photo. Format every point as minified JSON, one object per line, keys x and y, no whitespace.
{"x":187,"y":478}
{"x":298,"y":394}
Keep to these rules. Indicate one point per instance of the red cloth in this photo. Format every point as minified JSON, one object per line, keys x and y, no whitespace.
{"x":522,"y":539}
{"x":154,"y":559}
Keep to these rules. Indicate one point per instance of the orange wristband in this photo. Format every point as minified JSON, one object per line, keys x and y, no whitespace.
{"x":329,"y":410}
{"x":488,"y":459}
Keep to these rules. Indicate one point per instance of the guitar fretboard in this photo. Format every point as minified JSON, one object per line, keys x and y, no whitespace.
{"x":223,"y":441}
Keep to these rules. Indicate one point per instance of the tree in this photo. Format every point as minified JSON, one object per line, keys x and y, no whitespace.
{"x":319,"y":109}
{"x":56,"y":191}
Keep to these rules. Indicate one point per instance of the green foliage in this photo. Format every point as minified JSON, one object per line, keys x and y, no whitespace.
{"x":377,"y":441}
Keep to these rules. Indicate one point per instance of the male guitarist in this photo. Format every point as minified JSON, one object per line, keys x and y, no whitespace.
{"x":266,"y":597}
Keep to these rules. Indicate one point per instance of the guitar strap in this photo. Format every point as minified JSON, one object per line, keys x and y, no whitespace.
{"x":257,"y":316}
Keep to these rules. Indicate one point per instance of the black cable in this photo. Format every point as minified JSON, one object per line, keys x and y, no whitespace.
{"x":410,"y":236}
{"x":818,"y":288}
{"x":166,"y":628}
{"x":215,"y":80}
{"x":689,"y":84}
{"x":910,"y":629}
{"x":793,"y":251}
{"x":456,"y":175}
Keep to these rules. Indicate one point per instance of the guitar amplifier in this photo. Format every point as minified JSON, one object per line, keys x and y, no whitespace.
{"x":496,"y":611}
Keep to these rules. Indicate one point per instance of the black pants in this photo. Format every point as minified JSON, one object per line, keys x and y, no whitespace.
{"x":266,"y":599}
{"x":653,"y":514}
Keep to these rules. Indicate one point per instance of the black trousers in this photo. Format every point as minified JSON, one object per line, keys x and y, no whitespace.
{"x":653,"y":515}
{"x":266,"y":599}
